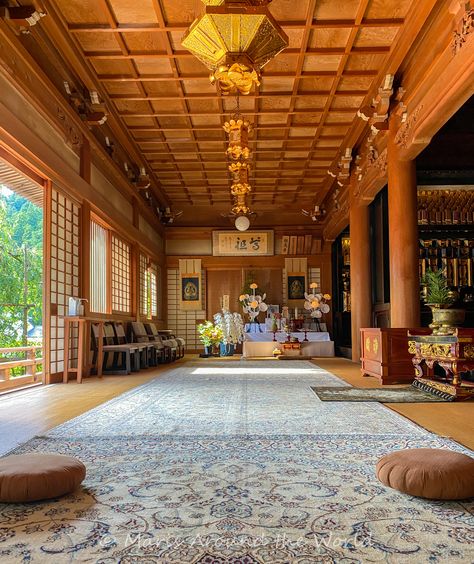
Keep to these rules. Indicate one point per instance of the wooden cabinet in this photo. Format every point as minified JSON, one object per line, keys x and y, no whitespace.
{"x":384,"y":355}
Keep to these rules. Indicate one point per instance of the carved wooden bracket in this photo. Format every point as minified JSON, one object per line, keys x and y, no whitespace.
{"x":405,"y":131}
{"x":464,"y":29}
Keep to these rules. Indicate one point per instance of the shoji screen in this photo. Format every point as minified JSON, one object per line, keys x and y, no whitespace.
{"x":98,"y":268}
{"x":65,"y":252}
{"x":121,"y":298}
{"x":153,"y":273}
{"x":143,"y":285}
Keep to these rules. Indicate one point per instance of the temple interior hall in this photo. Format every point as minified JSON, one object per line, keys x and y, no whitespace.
{"x":236,"y":281}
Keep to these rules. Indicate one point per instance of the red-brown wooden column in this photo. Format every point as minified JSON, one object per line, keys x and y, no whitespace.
{"x":361,"y":280}
{"x":403,"y":238}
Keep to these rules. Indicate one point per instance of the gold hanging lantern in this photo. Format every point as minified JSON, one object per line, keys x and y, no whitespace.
{"x":235,"y":39}
{"x":240,"y":172}
{"x":238,"y":131}
{"x":240,"y":205}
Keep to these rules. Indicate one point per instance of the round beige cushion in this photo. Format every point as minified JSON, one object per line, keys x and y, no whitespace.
{"x":428,"y":472}
{"x":31,"y":477}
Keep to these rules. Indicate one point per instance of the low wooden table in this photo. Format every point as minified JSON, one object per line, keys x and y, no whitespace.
{"x":454,"y":353}
{"x":82,"y":346}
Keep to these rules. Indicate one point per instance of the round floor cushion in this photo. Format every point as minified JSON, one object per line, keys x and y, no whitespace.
{"x":32,"y":477}
{"x":428,"y":472}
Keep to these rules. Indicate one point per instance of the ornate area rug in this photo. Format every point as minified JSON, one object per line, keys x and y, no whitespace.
{"x":406,"y":394}
{"x":240,"y":463}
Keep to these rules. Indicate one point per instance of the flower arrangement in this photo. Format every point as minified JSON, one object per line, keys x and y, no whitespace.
{"x":209,"y":334}
{"x":253,"y":303}
{"x":316,"y":303}
{"x":231,"y":326}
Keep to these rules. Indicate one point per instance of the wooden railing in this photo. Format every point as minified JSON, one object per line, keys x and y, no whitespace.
{"x":9,"y":360}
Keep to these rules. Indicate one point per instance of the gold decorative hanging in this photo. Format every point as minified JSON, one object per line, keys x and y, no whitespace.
{"x":235,"y":39}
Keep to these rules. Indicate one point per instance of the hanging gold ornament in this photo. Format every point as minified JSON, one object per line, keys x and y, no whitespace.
{"x":236,"y":79}
{"x":235,"y":40}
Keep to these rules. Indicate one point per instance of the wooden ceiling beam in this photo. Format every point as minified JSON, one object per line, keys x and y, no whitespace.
{"x":169,"y":49}
{"x":209,"y":152}
{"x":213,"y":140}
{"x":154,"y":27}
{"x":117,"y":55}
{"x":70,"y":50}
{"x":218,"y":127}
{"x":362,"y":9}
{"x":108,"y":10}
{"x":205,"y":77}
{"x":272,"y":94}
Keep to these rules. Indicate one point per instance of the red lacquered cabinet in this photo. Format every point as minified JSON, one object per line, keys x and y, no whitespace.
{"x":384,"y":355}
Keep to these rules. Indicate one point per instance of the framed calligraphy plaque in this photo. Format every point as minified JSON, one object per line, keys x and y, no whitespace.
{"x":238,"y":243}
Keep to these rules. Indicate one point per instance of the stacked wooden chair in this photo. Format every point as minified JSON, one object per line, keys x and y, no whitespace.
{"x":142,"y":346}
{"x":160,"y":353}
{"x":170,"y":344}
{"x":126,"y":357}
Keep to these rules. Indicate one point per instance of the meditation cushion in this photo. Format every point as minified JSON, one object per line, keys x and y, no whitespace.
{"x":431,"y":473}
{"x":31,"y":477}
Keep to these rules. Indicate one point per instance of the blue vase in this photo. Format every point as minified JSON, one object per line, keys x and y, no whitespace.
{"x":226,"y":350}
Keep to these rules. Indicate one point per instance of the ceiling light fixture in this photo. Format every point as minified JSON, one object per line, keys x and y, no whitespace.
{"x":235,"y":39}
{"x":242,"y":223}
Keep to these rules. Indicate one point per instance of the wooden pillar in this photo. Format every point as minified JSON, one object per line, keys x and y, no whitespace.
{"x":85,"y":255}
{"x":361,"y":279}
{"x":403,"y":237}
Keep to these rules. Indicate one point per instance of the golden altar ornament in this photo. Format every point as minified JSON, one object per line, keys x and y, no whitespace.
{"x":235,"y":39}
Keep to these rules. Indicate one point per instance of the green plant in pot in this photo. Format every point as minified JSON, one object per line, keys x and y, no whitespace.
{"x":440,"y":298}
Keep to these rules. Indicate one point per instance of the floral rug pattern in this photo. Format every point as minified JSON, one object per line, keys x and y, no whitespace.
{"x":206,"y":465}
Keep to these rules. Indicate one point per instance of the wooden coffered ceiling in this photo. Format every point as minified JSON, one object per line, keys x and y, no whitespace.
{"x":304,"y":110}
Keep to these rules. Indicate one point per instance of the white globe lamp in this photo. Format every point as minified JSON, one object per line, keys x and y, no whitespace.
{"x":242,"y":223}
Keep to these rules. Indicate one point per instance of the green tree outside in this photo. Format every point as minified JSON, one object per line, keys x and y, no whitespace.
{"x":21,"y":264}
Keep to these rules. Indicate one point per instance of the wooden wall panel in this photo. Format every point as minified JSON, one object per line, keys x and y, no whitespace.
{"x":220,"y":283}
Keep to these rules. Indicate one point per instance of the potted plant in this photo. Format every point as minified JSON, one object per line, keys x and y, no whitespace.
{"x":210,"y":335}
{"x":440,"y":298}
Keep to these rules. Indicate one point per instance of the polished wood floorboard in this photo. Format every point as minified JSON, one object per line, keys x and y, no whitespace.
{"x":30,"y":412}
{"x":448,"y":419}
{"x":27,"y":413}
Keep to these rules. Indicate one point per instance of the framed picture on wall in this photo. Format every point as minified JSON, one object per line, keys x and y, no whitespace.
{"x":272,"y":309}
{"x":296,"y":286}
{"x":190,"y":288}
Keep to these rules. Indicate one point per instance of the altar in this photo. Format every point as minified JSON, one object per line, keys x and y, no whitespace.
{"x":262,"y":344}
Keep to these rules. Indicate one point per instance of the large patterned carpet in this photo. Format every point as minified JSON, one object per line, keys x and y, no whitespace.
{"x":236,"y":462}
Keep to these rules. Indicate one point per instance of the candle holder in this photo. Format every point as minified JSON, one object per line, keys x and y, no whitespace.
{"x":274,"y":335}
{"x":305,"y":335}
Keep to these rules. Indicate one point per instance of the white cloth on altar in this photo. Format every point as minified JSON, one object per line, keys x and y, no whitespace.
{"x":280,"y":336}
{"x":262,"y":344}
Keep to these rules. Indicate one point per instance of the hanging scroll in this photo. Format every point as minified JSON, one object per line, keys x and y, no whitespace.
{"x":296,"y":275}
{"x":190,"y":284}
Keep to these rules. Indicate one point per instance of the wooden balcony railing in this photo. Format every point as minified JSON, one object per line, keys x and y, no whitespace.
{"x":10,"y":359}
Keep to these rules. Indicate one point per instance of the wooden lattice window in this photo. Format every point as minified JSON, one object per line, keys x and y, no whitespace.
{"x":153,"y":275}
{"x":150,"y":287}
{"x":144,"y":293}
{"x":99,"y":257}
{"x":121,"y":298}
{"x":64,"y":273}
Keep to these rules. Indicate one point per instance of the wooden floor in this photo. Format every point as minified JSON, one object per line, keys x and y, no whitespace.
{"x":31,"y":412}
